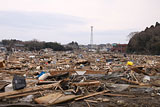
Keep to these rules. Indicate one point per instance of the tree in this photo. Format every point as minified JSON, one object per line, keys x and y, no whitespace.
{"x":73,"y":45}
{"x":131,"y":35}
{"x":55,"y":46}
{"x":34,"y":44}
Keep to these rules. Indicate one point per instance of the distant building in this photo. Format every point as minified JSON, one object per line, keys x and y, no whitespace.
{"x":109,"y":47}
{"x":1,"y":44}
{"x":83,"y":47}
{"x":18,"y":47}
{"x":93,"y":46}
{"x":105,"y":47}
{"x":2,"y":48}
{"x":119,"y":48}
{"x":47,"y":50}
{"x":102,"y":47}
{"x":92,"y":50}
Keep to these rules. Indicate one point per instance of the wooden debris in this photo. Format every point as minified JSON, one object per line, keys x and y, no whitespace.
{"x":82,"y":61}
{"x":22,"y":105}
{"x":133,"y":82}
{"x":88,"y":104}
{"x":156,"y":83}
{"x":106,"y":100}
{"x":32,"y":89}
{"x":3,"y":84}
{"x":92,"y":101}
{"x":55,"y":98}
{"x":85,"y":74}
{"x":18,"y":72}
{"x":2,"y":65}
{"x":118,"y":95}
{"x":96,"y":83}
{"x":136,"y":69}
{"x":22,"y":95}
{"x":90,"y":95}
{"x":45,"y":82}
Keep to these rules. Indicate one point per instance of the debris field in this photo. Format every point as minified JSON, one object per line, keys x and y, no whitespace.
{"x":81,"y":79}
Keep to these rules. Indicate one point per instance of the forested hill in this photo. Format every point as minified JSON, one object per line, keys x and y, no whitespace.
{"x":146,"y":42}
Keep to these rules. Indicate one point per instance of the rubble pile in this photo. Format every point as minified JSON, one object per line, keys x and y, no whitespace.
{"x":78,"y":79}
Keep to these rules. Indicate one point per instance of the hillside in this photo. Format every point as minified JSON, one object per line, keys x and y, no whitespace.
{"x":146,"y":42}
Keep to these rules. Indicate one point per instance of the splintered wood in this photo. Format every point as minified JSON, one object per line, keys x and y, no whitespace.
{"x":95,"y":83}
{"x":26,"y":90}
{"x":55,"y":98}
{"x":90,"y":95}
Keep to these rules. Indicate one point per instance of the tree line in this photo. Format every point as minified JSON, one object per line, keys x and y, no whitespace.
{"x":34,"y":45}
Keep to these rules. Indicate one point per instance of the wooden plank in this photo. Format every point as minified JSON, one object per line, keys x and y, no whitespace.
{"x":133,"y":82}
{"x":90,"y":95}
{"x":25,"y":90}
{"x":88,"y":104}
{"x":139,"y":71}
{"x":87,"y":83}
{"x":92,"y":101}
{"x":52,"y":72}
{"x":22,"y":95}
{"x":13,"y":72}
{"x":118,"y":95}
{"x":54,"y":98}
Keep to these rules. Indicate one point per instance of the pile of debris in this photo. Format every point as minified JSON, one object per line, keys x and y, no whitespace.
{"x":79,"y":79}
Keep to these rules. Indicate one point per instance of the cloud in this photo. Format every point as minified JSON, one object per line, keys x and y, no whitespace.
{"x":37,"y":20}
{"x":54,"y":27}
{"x":67,"y":20}
{"x":42,"y":26}
{"x":104,"y":14}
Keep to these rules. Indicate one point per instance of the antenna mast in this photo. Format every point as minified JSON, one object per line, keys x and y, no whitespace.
{"x":91,"y":39}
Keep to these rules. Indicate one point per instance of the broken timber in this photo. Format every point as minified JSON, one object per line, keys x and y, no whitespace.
{"x":55,"y":98}
{"x":26,"y":90}
{"x":87,"y":83}
{"x":134,"y":82}
{"x":90,"y":95}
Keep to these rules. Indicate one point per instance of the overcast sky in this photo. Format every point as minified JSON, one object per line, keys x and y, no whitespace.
{"x":70,"y":20}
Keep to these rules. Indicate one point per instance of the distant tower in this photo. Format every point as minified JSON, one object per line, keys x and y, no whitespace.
{"x":91,"y":39}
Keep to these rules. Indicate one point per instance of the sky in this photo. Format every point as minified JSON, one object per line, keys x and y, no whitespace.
{"x":64,"y":21}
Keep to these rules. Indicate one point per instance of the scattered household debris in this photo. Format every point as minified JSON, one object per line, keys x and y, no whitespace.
{"x":79,"y":79}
